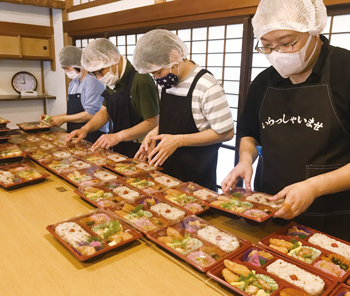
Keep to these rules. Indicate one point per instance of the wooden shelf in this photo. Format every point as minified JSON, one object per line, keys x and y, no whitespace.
{"x":14,"y":98}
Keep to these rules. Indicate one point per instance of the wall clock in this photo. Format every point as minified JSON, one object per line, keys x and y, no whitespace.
{"x":22,"y":81}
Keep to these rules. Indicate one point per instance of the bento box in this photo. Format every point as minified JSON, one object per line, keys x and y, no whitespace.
{"x":60,"y":161}
{"x":89,"y":235}
{"x":3,"y":122}
{"x":326,"y":254}
{"x":152,"y":182}
{"x":52,"y":136}
{"x":189,"y":196}
{"x":148,"y":214}
{"x":198,"y":242}
{"x":4,"y":131}
{"x":341,"y":290}
{"x":79,"y":149}
{"x":34,"y":127}
{"x":20,"y":175}
{"x":104,"y":157}
{"x":42,"y":156}
{"x":131,"y":167}
{"x":5,"y":140}
{"x":245,"y":204}
{"x":257,"y":271}
{"x":10,"y":153}
{"x":109,"y":194}
{"x":88,"y":176}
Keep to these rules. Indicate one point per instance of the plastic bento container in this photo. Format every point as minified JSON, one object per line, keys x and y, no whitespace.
{"x":3,"y":122}
{"x":89,"y":237}
{"x":242,"y":258}
{"x":4,"y":131}
{"x":104,"y":157}
{"x":10,"y":153}
{"x":87,"y":177}
{"x":34,"y":127}
{"x":78,"y":149}
{"x":184,"y":239}
{"x":340,"y":290}
{"x":236,"y":203}
{"x":148,"y":214}
{"x":152,"y":182}
{"x":20,"y":175}
{"x":57,"y":164}
{"x":309,"y":255}
{"x":131,"y":167}
{"x":5,"y":140}
{"x":106,"y":194}
{"x":183,"y":197}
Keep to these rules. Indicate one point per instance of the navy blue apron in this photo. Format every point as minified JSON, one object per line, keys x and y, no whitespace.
{"x":302,"y":137}
{"x":197,"y":164}
{"x":123,"y":115}
{"x":74,"y":106}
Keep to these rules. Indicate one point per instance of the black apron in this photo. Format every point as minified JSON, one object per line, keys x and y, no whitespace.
{"x":197,"y":164}
{"x":74,"y":106}
{"x":302,"y":137}
{"x":123,"y":115}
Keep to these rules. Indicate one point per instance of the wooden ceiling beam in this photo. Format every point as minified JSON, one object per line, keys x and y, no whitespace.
{"x":42,"y":3}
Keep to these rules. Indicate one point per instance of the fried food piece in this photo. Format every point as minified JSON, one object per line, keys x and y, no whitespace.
{"x":237,"y":268}
{"x":281,"y":249}
{"x":281,"y":243}
{"x":223,"y":198}
{"x":172,"y":192}
{"x":266,"y":255}
{"x":263,"y":284}
{"x":116,"y":238}
{"x":128,"y":208}
{"x":174,"y":234}
{"x":121,"y":213}
{"x":292,"y":292}
{"x":216,"y":203}
{"x":252,"y":290}
{"x":151,"y":201}
{"x":165,"y":239}
{"x":229,"y":276}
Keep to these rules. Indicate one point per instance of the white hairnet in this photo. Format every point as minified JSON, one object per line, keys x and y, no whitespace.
{"x":70,"y":56}
{"x":158,"y":49}
{"x":98,"y":54}
{"x":296,"y":15}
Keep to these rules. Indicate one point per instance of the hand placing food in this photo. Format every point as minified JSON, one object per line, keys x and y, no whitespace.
{"x":243,"y":170}
{"x":298,"y":197}
{"x":79,"y":133}
{"x":58,"y":120}
{"x":167,"y":146}
{"x":106,"y":141}
{"x":146,"y":147}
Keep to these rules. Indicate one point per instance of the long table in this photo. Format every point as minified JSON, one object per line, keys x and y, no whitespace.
{"x":33,"y":262}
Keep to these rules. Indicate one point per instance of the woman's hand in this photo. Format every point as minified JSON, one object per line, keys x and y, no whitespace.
{"x":106,"y":141}
{"x":298,"y":197}
{"x":146,"y":147}
{"x":166,"y":147}
{"x":243,"y":170}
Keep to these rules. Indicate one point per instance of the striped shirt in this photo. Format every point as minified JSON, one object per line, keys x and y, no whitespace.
{"x":210,"y":108}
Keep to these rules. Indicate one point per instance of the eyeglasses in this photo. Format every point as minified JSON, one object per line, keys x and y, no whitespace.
{"x":283,"y":48}
{"x":97,"y":73}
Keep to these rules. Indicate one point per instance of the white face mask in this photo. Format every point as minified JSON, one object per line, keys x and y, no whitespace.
{"x":73,"y":74}
{"x":110,"y":79}
{"x":287,"y":64}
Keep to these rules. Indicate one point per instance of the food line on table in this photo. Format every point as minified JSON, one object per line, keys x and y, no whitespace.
{"x":184,"y":237}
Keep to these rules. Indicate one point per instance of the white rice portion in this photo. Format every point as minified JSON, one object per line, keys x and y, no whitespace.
{"x":103,"y":175}
{"x":310,"y":283}
{"x":80,"y":164}
{"x":173,"y":215}
{"x":130,"y":196}
{"x":6,"y":177}
{"x":204,"y":194}
{"x":164,"y":181}
{"x":115,"y":157}
{"x":264,"y":199}
{"x":326,"y":242}
{"x":62,"y":154}
{"x":64,"y":230}
{"x":146,"y":167}
{"x":226,"y":242}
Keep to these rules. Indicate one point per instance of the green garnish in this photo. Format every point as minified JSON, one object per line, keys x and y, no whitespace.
{"x":295,"y":243}
{"x":90,"y":223}
{"x":307,"y":256}
{"x":112,"y":226}
{"x":137,"y":209}
{"x":95,"y":239}
{"x":237,"y":194}
{"x":148,"y":204}
{"x":111,"y":186}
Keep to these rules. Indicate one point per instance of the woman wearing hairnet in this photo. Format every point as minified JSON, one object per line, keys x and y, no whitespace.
{"x":130,"y":99}
{"x":298,"y":111}
{"x":194,"y":114}
{"x":84,"y":95}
